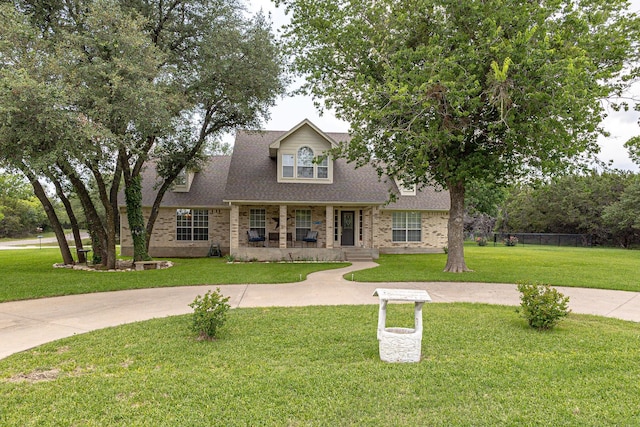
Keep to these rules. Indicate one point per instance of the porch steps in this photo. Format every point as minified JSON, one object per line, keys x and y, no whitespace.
{"x":357,"y":254}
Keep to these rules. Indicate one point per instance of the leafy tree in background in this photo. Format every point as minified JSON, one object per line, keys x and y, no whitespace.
{"x":20,"y":212}
{"x":482,"y":203}
{"x":573,"y":204}
{"x":623,"y":216}
{"x":451,"y":91}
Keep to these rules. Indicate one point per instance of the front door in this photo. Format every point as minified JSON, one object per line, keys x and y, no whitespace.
{"x":348,"y":227}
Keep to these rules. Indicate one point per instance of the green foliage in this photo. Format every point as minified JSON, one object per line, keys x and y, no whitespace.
{"x":14,"y":186}
{"x":483,"y":197}
{"x":209,"y":313}
{"x":482,"y":202}
{"x":92,"y":90}
{"x":135,"y":218}
{"x":317,"y":366}
{"x":20,"y":211}
{"x":633,"y":147}
{"x":573,"y":204}
{"x":623,"y":216}
{"x":415,"y":81}
{"x":542,"y":305}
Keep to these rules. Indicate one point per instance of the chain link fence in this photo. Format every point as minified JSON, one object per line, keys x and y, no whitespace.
{"x":550,"y":239}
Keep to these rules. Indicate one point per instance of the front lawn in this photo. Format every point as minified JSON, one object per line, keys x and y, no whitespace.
{"x":603,"y":268}
{"x":319,"y":366}
{"x":28,"y":273}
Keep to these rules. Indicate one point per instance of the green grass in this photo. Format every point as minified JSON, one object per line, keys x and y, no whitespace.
{"x":319,"y":366}
{"x":33,"y":236}
{"x":28,"y":273}
{"x":559,"y":266}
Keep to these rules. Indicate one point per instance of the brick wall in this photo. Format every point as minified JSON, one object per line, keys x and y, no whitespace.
{"x":163,"y":241}
{"x":377,"y":226}
{"x":434,"y":231}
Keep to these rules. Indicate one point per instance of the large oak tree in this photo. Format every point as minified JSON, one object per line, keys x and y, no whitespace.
{"x":119,"y":83}
{"x":451,"y":91}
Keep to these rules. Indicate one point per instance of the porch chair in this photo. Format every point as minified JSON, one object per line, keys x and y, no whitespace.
{"x":254,"y":237}
{"x":311,"y":237}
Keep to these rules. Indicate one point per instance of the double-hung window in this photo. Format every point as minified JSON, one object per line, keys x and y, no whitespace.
{"x":406,"y":227}
{"x":257,"y":221}
{"x":303,"y":223}
{"x":288,"y":165}
{"x":322,"y":167}
{"x":192,"y":224}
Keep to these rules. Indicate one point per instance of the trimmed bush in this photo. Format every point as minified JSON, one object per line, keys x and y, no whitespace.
{"x":209,"y":313}
{"x":542,"y":305}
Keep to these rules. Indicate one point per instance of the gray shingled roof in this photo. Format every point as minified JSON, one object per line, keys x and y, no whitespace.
{"x":207,"y":188}
{"x":252,"y":177}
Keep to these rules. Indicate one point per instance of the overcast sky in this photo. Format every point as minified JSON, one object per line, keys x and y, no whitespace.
{"x":290,"y":111}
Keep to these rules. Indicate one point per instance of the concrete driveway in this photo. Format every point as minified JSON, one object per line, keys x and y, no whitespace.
{"x":26,"y":324}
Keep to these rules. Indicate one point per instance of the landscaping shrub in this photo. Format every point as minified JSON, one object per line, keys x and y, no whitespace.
{"x":209,"y":313}
{"x":542,"y":305}
{"x":511,"y":241}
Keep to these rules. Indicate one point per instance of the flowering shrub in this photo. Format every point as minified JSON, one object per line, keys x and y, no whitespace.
{"x":209,"y":313}
{"x":542,"y":305}
{"x":481,"y":241}
{"x":511,"y":241}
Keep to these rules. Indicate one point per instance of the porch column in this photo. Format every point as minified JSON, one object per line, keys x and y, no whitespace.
{"x":367,"y":224}
{"x":329,"y":227}
{"x":376,"y":238}
{"x":234,"y":227}
{"x":283,"y":226}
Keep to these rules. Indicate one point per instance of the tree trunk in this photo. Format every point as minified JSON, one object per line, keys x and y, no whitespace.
{"x":94,"y":223}
{"x":73,"y":220}
{"x":111,"y":238}
{"x":155,"y":210}
{"x":455,"y":254}
{"x":110,"y":224}
{"x":67,"y":257}
{"x":133,"y":196}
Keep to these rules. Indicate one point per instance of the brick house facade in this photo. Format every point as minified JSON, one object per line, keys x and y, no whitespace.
{"x":280,"y":185}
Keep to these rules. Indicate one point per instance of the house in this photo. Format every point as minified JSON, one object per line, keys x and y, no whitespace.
{"x":277,"y":186}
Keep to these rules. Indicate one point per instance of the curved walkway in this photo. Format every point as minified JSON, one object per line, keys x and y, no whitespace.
{"x":26,"y":324}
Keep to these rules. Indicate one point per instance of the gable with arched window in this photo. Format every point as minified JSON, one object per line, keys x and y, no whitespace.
{"x":303,"y":164}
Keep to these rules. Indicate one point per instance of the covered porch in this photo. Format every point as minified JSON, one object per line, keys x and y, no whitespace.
{"x":284,"y":232}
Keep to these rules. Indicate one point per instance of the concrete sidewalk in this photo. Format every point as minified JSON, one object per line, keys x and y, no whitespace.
{"x":26,"y":324}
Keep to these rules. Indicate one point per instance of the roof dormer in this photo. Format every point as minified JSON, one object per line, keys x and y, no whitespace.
{"x":302,"y":155}
{"x":405,"y":189}
{"x":182,"y":183}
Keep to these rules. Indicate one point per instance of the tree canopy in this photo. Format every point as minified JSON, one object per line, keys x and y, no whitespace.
{"x":20,"y":212}
{"x":591,"y":204}
{"x":92,"y":91}
{"x":446,"y":91}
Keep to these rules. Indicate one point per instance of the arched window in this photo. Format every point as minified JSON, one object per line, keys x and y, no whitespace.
{"x":305,"y":162}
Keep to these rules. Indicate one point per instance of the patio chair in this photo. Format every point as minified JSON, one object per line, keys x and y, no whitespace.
{"x":311,"y":237}
{"x":254,"y":237}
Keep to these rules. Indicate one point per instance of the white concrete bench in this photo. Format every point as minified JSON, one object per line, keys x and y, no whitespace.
{"x":401,"y":344}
